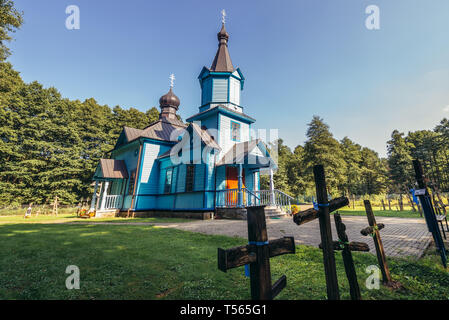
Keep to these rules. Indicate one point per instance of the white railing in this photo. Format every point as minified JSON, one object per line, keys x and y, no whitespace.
{"x":113,"y":202}
{"x":274,"y":198}
{"x":229,"y":198}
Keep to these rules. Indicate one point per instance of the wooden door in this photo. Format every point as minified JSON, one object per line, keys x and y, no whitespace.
{"x":232,"y":182}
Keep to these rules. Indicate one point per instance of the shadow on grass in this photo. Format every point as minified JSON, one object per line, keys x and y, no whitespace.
{"x":147,"y":262}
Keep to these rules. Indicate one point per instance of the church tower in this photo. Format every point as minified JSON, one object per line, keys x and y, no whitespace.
{"x":221,"y":84}
{"x":220,"y":111}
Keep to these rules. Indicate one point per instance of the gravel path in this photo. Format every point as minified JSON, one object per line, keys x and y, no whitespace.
{"x":401,"y":236}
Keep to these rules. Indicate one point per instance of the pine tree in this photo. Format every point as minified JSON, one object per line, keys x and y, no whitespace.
{"x":352,"y":155}
{"x":322,"y":148}
{"x":399,"y":160}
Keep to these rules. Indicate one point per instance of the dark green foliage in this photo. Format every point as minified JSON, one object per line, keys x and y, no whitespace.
{"x":49,"y":145}
{"x":350,"y":168}
{"x":430,"y":147}
{"x":322,"y":148}
{"x":10,"y":20}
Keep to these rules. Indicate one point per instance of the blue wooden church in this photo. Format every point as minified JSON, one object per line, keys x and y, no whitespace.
{"x":210,"y":166}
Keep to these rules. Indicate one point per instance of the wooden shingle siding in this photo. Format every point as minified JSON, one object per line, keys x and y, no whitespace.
{"x":128,"y":154}
{"x":234,"y":91}
{"x":199,"y":177}
{"x":226,"y":142}
{"x":150,"y":171}
{"x":220,"y":90}
{"x":206,"y":91}
{"x":127,"y":202}
{"x":189,"y":200}
{"x":211,"y":124}
{"x":181,"y":181}
{"x":249,"y":179}
{"x":165,"y":201}
{"x":221,"y":178}
{"x":210,"y":178}
{"x":174,"y":179}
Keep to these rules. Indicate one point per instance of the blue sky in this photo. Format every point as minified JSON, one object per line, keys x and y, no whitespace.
{"x":300,"y":58}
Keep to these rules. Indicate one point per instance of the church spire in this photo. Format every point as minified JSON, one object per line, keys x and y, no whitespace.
{"x":222,"y":61}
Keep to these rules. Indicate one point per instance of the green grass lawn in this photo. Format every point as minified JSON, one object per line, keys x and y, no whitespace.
{"x":359,"y":211}
{"x":61,"y":218}
{"x":148,"y":262}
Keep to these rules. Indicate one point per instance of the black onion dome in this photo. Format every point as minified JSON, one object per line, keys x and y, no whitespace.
{"x":169,"y":100}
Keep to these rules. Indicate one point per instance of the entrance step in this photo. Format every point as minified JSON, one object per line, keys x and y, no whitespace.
{"x":273,"y":211}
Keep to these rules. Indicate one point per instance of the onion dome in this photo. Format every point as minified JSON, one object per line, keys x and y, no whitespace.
{"x":169,"y":100}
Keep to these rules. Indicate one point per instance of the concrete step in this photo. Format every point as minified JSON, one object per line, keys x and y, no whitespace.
{"x":272,"y":211}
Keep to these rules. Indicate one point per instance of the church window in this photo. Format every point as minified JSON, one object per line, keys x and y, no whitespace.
{"x":190,"y":177}
{"x":235,"y":131}
{"x":132,"y":180}
{"x":168,"y":180}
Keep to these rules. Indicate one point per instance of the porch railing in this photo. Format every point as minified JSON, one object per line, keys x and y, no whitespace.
{"x":229,"y":198}
{"x":113,"y":202}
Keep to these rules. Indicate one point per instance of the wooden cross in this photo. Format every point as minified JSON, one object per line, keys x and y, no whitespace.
{"x":327,"y":244}
{"x":324,"y":208}
{"x":429,"y":212}
{"x":55,"y":206}
{"x":346,"y":248}
{"x":172,"y":80}
{"x":223,"y":16}
{"x":257,"y":254}
{"x":373,"y":230}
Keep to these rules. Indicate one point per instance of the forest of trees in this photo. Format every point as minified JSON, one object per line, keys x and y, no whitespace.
{"x":355,"y":170}
{"x":50,"y":145}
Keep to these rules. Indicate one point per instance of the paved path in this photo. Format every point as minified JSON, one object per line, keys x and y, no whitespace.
{"x":401,"y":236}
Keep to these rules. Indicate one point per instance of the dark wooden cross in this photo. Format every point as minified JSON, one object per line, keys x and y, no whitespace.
{"x":346,"y":247}
{"x":373,"y":230}
{"x":327,"y":244}
{"x":324,"y":208}
{"x":429,"y":212}
{"x":257,"y":254}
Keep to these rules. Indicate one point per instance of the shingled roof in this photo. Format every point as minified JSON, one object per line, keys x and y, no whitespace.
{"x":222,"y":61}
{"x":113,"y":169}
{"x":204,"y":136}
{"x":159,"y":130}
{"x":241,"y":151}
{"x":223,"y":107}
